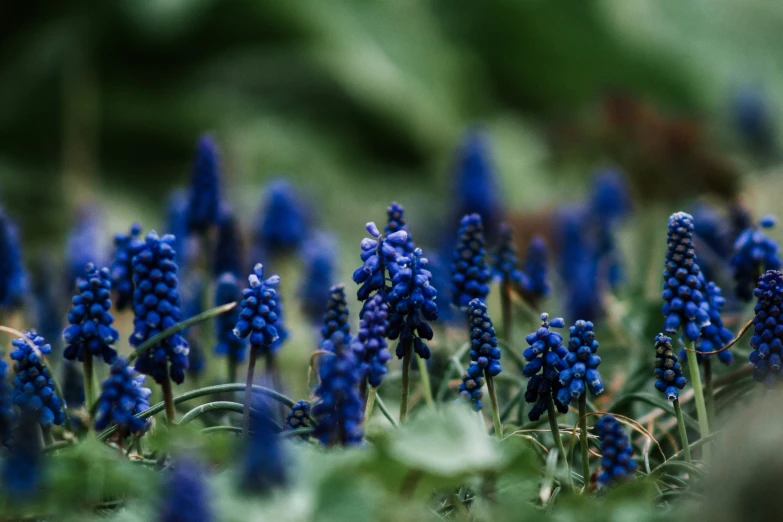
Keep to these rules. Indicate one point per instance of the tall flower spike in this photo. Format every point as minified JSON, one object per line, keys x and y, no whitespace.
{"x":257,"y":317}
{"x":476,"y":185}
{"x":339,"y":410}
{"x":186,"y":496}
{"x":379,"y":256}
{"x":84,"y":244}
{"x":667,"y":370}
{"x":204,"y":193}
{"x":484,"y":349}
{"x":319,"y":265}
{"x":299,"y":417}
{"x":505,"y":265}
{"x":123,"y":395}
{"x":754,"y":252}
{"x":283,"y":221}
{"x":684,"y":303}
{"x":582,"y":360}
{"x":185,"y":245}
{"x":713,"y":236}
{"x":578,"y":267}
{"x":125,"y":246}
{"x":469,"y":271}
{"x":767,"y":328}
{"x":33,"y":384}
{"x":396,"y":222}
{"x":22,"y":471}
{"x":90,"y":318}
{"x":193,"y":304}
{"x":13,"y":277}
{"x":264,"y":460}
{"x":411,"y":304}
{"x":335,"y":317}
{"x":546,"y":359}
{"x":228,"y":344}
{"x":370,"y":343}
{"x":714,"y":336}
{"x":227,"y":256}
{"x":536,"y":283}
{"x":616,"y":452}
{"x":470,"y":389}
{"x":156,"y":307}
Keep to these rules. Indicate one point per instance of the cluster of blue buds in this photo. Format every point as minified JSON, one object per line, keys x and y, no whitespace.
{"x":258,"y":316}
{"x":768,"y":329}
{"x":616,"y":452}
{"x":536,"y":281}
{"x":125,"y":246}
{"x":319,"y":264}
{"x":505,"y":265}
{"x":283,"y":221}
{"x":33,"y":384}
{"x":546,"y":359}
{"x":369,"y":346}
{"x":264,"y":460}
{"x":684,"y":303}
{"x":13,"y":277}
{"x":339,"y":412}
{"x":185,"y":496}
{"x":470,"y":389}
{"x":476,"y":184}
{"x":156,"y":307}
{"x":411,"y":304}
{"x":582,"y":360}
{"x":299,"y":417}
{"x":379,"y":256}
{"x":667,"y":370}
{"x":204,"y":197}
{"x":396,"y":222}
{"x":228,"y":344}
{"x":714,"y":336}
{"x":336,"y":314}
{"x":90,"y":319}
{"x":484,"y":349}
{"x":227,"y":256}
{"x":469,"y":271}
{"x":754,"y":252}
{"x":123,"y":395}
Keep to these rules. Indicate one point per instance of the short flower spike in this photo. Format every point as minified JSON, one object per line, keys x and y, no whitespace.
{"x":469,"y":271}
{"x":33,"y":384}
{"x":616,"y":450}
{"x":668,"y":371}
{"x":768,"y":330}
{"x":369,"y":346}
{"x":546,"y":356}
{"x":754,"y":252}
{"x":123,"y":396}
{"x":582,"y":360}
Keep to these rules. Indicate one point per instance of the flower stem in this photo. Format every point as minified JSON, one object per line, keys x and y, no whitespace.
{"x":683,"y":431}
{"x":425,"y":381}
{"x":232,"y":368}
{"x":552,"y":414}
{"x":698,"y":392}
{"x":493,"y":398}
{"x":371,"y":393}
{"x":583,"y":438}
{"x":251,"y":367}
{"x":709,"y":393}
{"x":505,"y":306}
{"x":168,"y":399}
{"x":406,"y":381}
{"x":89,"y":394}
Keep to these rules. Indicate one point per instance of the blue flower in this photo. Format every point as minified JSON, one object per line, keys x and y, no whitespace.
{"x":299,"y":417}
{"x":227,"y":256}
{"x":616,"y":452}
{"x":192,"y":305}
{"x":412,"y":303}
{"x":610,"y":198}
{"x":123,"y":395}
{"x":283,"y":222}
{"x":228,"y":344}
{"x":684,"y":303}
{"x":90,"y":318}
{"x":714,"y":336}
{"x":339,"y":411}
{"x":754,"y":252}
{"x":156,"y":307}
{"x":379,"y":258}
{"x":546,"y":359}
{"x":125,"y":246}
{"x":469,"y":271}
{"x":13,"y":277}
{"x":72,"y":385}
{"x":319,"y":267}
{"x":713,"y":236}
{"x":768,"y":329}
{"x":578,"y":267}
{"x":476,"y":184}
{"x":753,"y":119}
{"x":582,"y":372}
{"x":484,"y":349}
{"x":536,"y":284}
{"x":7,"y":414}
{"x":370,"y":343}
{"x":396,"y":222}
{"x":258,"y":316}
{"x":667,"y":370}
{"x":22,"y":466}
{"x":335,"y":317}
{"x":33,"y":384}
{"x":204,"y":194}
{"x":264,"y":459}
{"x":505,"y":265}
{"x":185,"y":494}
{"x":185,"y":248}
{"x":470,"y":389}
{"x":84,"y":244}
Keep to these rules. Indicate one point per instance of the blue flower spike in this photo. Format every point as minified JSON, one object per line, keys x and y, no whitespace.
{"x":754,"y":252}
{"x":264,"y":460}
{"x":299,"y":417}
{"x":335,"y":317}
{"x":203,"y":208}
{"x":125,"y":246}
{"x":536,"y":285}
{"x":228,"y":344}
{"x":505,"y":265}
{"x":369,"y":346}
{"x":186,"y":497}
{"x":227,"y":256}
{"x":546,"y":359}
{"x":668,"y":370}
{"x":33,"y":384}
{"x":396,"y":222}
{"x":123,"y":396}
{"x":582,"y":360}
{"x":484,"y":349}
{"x":258,"y":316}
{"x":714,"y":336}
{"x":7,"y":413}
{"x":469,"y":271}
{"x":13,"y":276}
{"x":283,"y":221}
{"x":471,"y":387}
{"x":379,"y":257}
{"x":767,"y":353}
{"x":616,"y":452}
{"x":319,"y":266}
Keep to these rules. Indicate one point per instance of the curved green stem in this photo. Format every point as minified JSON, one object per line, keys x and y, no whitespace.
{"x":425,"y":381}
{"x":698,"y":391}
{"x":493,"y":398}
{"x":168,"y":399}
{"x":406,"y":381}
{"x":386,"y":412}
{"x":251,"y":365}
{"x":371,"y":393}
{"x":552,"y":414}
{"x":583,"y":438}
{"x":683,"y":432}
{"x":89,"y":393}
{"x":287,"y":434}
{"x":216,"y":429}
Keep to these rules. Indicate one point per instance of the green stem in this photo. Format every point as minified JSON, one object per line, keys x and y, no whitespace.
{"x":386,"y":412}
{"x":709,"y":392}
{"x":425,"y":381}
{"x":251,"y":366}
{"x":493,"y":398}
{"x":552,"y":414}
{"x":698,"y":392}
{"x":505,"y":306}
{"x":214,"y":429}
{"x":47,"y":436}
{"x":168,"y":399}
{"x":683,"y":432}
{"x":232,"y":368}
{"x":371,"y":393}
{"x":583,"y":438}
{"x":406,"y":381}
{"x":221,"y":406}
{"x":89,"y":393}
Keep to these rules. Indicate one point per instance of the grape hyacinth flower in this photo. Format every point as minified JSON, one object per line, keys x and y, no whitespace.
{"x":505,"y":265}
{"x":204,"y":194}
{"x":581,"y":374}
{"x":156,"y":307}
{"x":185,"y":245}
{"x":470,"y":389}
{"x":546,"y":359}
{"x":282,"y":331}
{"x":469,"y":271}
{"x":33,"y":384}
{"x":84,"y":244}
{"x":484,"y":349}
{"x":264,"y":460}
{"x":335,"y":317}
{"x":91,"y":331}
{"x":536,"y":285}
{"x":123,"y":395}
{"x":714,"y":336}
{"x":338,"y":412}
{"x":616,"y":452}
{"x":125,"y":246}
{"x":227,"y":256}
{"x":767,"y":327}
{"x":754,"y":252}
{"x":21,"y":473}
{"x":578,"y":268}
{"x":299,"y":417}
{"x":713,"y":236}
{"x":13,"y":277}
{"x":72,"y":385}
{"x":282,"y":222}
{"x":257,"y":317}
{"x":396,"y":222}
{"x":610,"y":201}
{"x":319,"y":266}
{"x":379,"y":256}
{"x":668,"y":371}
{"x":369,"y":346}
{"x":228,"y":344}
{"x":192,"y":305}
{"x":476,"y":185}
{"x":186,"y":496}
